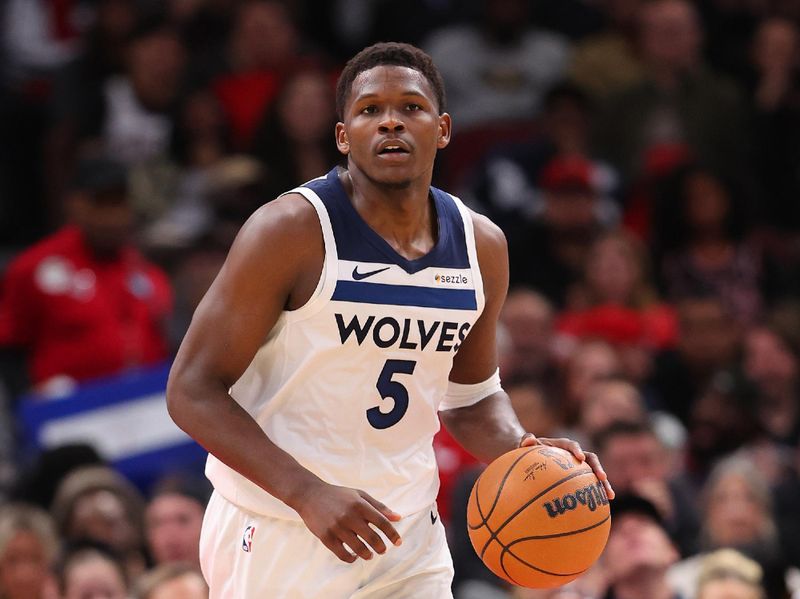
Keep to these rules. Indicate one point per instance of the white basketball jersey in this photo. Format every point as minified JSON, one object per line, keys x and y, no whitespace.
{"x":350,"y":384}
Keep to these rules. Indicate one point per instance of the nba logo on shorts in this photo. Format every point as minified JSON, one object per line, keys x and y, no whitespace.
{"x":247,"y":538}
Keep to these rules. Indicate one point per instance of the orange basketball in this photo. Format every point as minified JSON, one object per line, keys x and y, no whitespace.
{"x":538,"y":517}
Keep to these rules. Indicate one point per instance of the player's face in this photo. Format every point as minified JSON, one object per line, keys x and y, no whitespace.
{"x":392,"y":127}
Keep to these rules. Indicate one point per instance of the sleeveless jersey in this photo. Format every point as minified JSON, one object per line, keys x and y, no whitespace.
{"x":350,"y":383}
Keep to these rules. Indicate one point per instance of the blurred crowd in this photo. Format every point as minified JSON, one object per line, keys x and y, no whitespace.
{"x":641,"y":156}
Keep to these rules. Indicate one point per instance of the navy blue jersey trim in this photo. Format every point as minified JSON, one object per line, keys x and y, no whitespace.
{"x":404,"y":295}
{"x":358,"y":242}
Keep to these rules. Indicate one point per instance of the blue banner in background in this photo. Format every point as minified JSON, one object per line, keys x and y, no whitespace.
{"x":124,"y":418}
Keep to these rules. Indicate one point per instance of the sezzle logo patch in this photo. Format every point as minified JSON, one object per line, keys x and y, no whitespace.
{"x":451,"y":279}
{"x":247,"y":538}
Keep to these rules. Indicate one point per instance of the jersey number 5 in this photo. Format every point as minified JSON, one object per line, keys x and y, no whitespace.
{"x":391,"y":388}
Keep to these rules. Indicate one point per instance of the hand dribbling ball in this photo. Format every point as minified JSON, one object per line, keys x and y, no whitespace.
{"x":538,"y":517}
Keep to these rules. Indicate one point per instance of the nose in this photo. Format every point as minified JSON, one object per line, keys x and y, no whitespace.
{"x":391,"y":122}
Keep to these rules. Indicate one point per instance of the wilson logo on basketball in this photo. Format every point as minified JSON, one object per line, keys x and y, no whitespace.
{"x":590,"y":496}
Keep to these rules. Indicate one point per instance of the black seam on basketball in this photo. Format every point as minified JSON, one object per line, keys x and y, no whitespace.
{"x":503,"y":565}
{"x":478,"y":506}
{"x":480,"y":513}
{"x":532,"y":567}
{"x":507,"y":549}
{"x":559,"y":534}
{"x":499,"y":490}
{"x":530,"y":501}
{"x":485,"y":523}
{"x":503,"y":551}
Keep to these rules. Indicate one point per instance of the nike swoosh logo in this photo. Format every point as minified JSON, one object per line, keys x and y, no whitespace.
{"x":358,"y":276}
{"x":434,"y":518}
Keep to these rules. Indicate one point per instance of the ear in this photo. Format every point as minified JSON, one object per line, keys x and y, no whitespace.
{"x":445,"y":128}
{"x":342,"y":143}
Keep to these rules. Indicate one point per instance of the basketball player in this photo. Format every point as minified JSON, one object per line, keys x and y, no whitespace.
{"x":349,"y":314}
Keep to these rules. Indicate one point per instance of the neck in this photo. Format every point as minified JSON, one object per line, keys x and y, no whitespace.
{"x":105,"y":254}
{"x":410,"y":194}
{"x":402,"y":214}
{"x":99,"y":251}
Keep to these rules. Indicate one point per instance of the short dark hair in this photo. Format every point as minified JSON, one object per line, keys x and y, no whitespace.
{"x":388,"y":53}
{"x":622,"y":428}
{"x":99,"y":174}
{"x":185,"y":485}
{"x":566,"y":91}
{"x":629,"y":503}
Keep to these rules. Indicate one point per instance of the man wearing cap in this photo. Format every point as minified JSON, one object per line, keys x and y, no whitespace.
{"x":567,"y":213}
{"x":83,"y":302}
{"x":639,"y":551}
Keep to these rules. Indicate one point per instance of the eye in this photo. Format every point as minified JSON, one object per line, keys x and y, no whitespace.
{"x":371,"y":109}
{"x":412,"y":107}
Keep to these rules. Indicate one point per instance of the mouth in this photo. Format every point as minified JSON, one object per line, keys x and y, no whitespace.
{"x":393,"y":147}
{"x":393,"y":150}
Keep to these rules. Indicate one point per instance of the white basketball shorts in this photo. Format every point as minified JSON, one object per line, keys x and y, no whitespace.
{"x":248,"y":556}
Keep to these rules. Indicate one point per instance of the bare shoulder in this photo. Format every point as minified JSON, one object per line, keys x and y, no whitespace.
{"x":492,"y":247}
{"x":279,"y":249}
{"x":288,"y":218}
{"x":287,"y":230}
{"x":486,"y":232}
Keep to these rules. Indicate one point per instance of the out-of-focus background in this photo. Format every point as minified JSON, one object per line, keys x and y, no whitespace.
{"x":642,"y":157}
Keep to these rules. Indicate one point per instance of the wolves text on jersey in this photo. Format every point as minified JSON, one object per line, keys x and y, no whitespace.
{"x":385,"y":332}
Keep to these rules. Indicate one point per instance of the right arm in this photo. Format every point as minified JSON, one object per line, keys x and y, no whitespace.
{"x":274,"y":263}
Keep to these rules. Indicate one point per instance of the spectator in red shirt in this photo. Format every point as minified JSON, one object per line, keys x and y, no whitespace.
{"x":617,"y":275}
{"x":264,"y":46}
{"x":83,"y":302}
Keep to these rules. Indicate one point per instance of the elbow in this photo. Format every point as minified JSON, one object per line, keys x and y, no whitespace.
{"x":191,"y":396}
{"x":178,"y":398}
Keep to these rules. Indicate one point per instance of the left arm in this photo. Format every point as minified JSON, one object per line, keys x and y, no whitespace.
{"x":490,"y":428}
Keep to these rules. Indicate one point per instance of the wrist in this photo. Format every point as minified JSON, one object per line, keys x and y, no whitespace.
{"x":302,"y":489}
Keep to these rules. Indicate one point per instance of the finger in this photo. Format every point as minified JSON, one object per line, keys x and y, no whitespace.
{"x":371,"y":538}
{"x":528,"y":439}
{"x":609,"y":491}
{"x":380,"y":521}
{"x":601,"y":475}
{"x":335,"y":546}
{"x":382,"y":524}
{"x":356,"y":545}
{"x":571,"y":446}
{"x":390,"y":514}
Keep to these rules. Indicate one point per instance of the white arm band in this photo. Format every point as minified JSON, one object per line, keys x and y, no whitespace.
{"x":460,"y":395}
